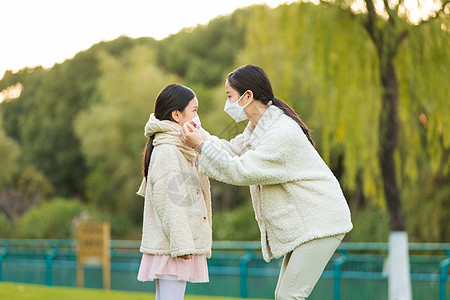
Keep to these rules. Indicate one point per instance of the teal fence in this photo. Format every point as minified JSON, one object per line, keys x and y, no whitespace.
{"x":356,"y":270}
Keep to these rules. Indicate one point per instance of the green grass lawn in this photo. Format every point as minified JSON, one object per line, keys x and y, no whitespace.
{"x":19,"y":291}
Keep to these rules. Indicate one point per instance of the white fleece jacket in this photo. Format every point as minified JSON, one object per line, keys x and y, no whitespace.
{"x":295,"y":195}
{"x":177,"y":210}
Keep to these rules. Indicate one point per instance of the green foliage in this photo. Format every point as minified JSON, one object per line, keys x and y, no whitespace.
{"x":426,"y":208}
{"x":8,"y":153}
{"x":6,"y":227}
{"x":29,"y":189}
{"x":32,"y":183}
{"x":49,"y":220}
{"x":236,"y":225}
{"x":203,"y":55}
{"x":327,"y":71}
{"x":77,"y":128}
{"x":370,"y":224}
{"x":111,"y":130}
{"x":59,"y":218}
{"x":41,"y":119}
{"x":423,"y":65}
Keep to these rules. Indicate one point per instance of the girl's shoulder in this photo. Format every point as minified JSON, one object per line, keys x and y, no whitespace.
{"x":165,"y":152}
{"x":165,"y":159}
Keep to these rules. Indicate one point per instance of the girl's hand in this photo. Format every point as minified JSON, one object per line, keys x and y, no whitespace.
{"x":186,"y":257}
{"x":191,"y":136}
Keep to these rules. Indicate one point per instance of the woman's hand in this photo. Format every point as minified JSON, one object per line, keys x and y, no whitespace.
{"x":186,"y":257}
{"x":191,"y":136}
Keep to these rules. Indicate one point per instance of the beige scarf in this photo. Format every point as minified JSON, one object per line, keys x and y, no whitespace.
{"x":166,"y":132}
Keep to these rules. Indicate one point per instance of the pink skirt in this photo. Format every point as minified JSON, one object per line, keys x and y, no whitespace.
{"x":173,"y":268}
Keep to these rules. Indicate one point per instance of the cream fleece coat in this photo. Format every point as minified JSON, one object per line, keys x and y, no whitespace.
{"x":177,"y":210}
{"x":295,"y":195}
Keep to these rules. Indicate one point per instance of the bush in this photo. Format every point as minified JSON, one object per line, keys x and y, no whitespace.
{"x":236,"y":225}
{"x":427,"y":209}
{"x":50,"y":220}
{"x":5,"y":227}
{"x":370,"y":224}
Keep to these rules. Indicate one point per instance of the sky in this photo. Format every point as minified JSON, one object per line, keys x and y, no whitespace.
{"x":45,"y":32}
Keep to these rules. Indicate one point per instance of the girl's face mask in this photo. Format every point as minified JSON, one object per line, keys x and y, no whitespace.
{"x":235,"y":110}
{"x":197,"y":123}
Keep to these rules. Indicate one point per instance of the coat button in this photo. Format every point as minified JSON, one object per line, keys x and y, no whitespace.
{"x":204,"y":219}
{"x":198,"y":192}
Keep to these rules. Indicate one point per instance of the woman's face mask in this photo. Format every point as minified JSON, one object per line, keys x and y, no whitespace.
{"x":235,"y":110}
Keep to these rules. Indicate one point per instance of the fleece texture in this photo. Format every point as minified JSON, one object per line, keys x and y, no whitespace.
{"x":177,"y":209}
{"x":295,"y":195}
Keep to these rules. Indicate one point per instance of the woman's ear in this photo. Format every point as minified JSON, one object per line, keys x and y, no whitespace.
{"x":250,"y":95}
{"x":176,"y":116}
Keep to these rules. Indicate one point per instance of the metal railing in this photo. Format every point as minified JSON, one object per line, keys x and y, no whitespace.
{"x":352,"y":261}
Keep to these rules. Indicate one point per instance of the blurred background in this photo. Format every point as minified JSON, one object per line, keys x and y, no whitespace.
{"x":71,"y":135}
{"x":71,"y":132}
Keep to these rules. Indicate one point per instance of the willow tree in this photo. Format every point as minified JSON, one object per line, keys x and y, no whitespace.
{"x":388,"y":26}
{"x":366,"y":76}
{"x":341,"y":71}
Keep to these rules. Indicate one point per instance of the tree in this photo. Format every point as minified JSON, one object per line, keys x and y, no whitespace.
{"x":111,"y":130}
{"x":9,"y":151}
{"x":41,"y":118}
{"x":387,"y":36}
{"x":203,"y":55}
{"x":344,"y":61}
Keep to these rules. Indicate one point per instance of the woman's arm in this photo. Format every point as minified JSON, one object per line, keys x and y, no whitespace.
{"x":267,"y":164}
{"x":233,"y":147}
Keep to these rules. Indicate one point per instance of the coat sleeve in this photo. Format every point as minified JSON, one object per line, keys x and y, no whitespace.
{"x":266,"y":164}
{"x":233,"y":147}
{"x":170,"y":201}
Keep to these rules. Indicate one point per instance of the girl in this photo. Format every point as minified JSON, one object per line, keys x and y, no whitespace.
{"x":299,"y":206}
{"x":176,"y":237}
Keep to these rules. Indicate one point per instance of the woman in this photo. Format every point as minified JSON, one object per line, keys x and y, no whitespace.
{"x":176,"y":238}
{"x":299,"y":206}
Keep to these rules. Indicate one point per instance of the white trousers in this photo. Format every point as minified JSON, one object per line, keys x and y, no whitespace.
{"x":170,"y":289}
{"x":301,"y":268}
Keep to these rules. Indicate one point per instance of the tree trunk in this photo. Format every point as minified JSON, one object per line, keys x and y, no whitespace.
{"x":388,"y":140}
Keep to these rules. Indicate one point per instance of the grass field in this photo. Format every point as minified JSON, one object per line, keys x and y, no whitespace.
{"x":19,"y":291}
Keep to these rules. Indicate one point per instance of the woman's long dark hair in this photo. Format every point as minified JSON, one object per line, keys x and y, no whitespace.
{"x":255,"y":79}
{"x":172,"y":97}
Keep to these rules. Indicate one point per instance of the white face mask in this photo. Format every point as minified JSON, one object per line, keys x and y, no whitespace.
{"x":235,"y":111}
{"x":197,"y":122}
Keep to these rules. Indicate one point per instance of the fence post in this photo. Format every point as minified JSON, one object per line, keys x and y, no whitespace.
{"x":337,"y":275}
{"x":443,"y":279}
{"x":243,"y":272}
{"x":3,"y":253}
{"x":49,"y":256}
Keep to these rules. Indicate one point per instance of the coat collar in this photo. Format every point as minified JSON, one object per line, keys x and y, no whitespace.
{"x":253,"y":134}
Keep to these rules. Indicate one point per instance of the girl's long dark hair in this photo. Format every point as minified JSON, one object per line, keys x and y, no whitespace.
{"x":254,"y":78}
{"x":172,"y":97}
